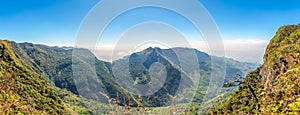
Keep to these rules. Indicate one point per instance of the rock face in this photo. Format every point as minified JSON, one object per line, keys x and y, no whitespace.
{"x":1,"y":51}
{"x":282,"y":53}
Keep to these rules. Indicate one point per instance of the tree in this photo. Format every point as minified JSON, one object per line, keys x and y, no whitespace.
{"x":238,"y":80}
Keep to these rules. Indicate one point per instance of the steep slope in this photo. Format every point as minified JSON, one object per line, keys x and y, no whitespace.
{"x":23,"y":90}
{"x":275,"y":83}
{"x":282,"y":53}
{"x":280,"y":72}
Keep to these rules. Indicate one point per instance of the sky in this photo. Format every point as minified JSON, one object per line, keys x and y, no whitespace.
{"x":246,"y":26}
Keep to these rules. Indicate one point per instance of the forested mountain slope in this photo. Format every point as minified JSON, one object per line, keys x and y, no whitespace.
{"x":23,"y":90}
{"x":276,"y":83}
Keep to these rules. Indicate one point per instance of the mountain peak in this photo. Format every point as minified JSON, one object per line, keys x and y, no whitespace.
{"x":149,"y":49}
{"x":152,"y":48}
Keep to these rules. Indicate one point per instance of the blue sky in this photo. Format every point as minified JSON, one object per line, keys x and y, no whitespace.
{"x":56,"y":22}
{"x":252,"y":19}
{"x":42,"y":21}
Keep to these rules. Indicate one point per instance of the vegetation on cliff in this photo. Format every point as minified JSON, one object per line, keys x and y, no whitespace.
{"x":276,"y":82}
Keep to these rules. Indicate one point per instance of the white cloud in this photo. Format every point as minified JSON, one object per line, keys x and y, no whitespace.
{"x":246,"y":50}
{"x":243,"y":50}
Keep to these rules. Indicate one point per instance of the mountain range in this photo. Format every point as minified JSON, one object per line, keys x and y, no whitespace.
{"x":55,"y":80}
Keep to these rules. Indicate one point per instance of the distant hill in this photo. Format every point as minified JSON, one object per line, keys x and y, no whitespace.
{"x":276,"y":83}
{"x":55,"y":66}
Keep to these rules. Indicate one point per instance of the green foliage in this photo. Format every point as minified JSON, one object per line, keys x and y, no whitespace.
{"x":241,"y":101}
{"x":282,"y":62}
{"x":24,"y":91}
{"x":10,"y":102}
{"x":74,"y":103}
{"x":283,"y":96}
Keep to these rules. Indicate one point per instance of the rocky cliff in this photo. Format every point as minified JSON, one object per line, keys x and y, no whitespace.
{"x":276,"y":84}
